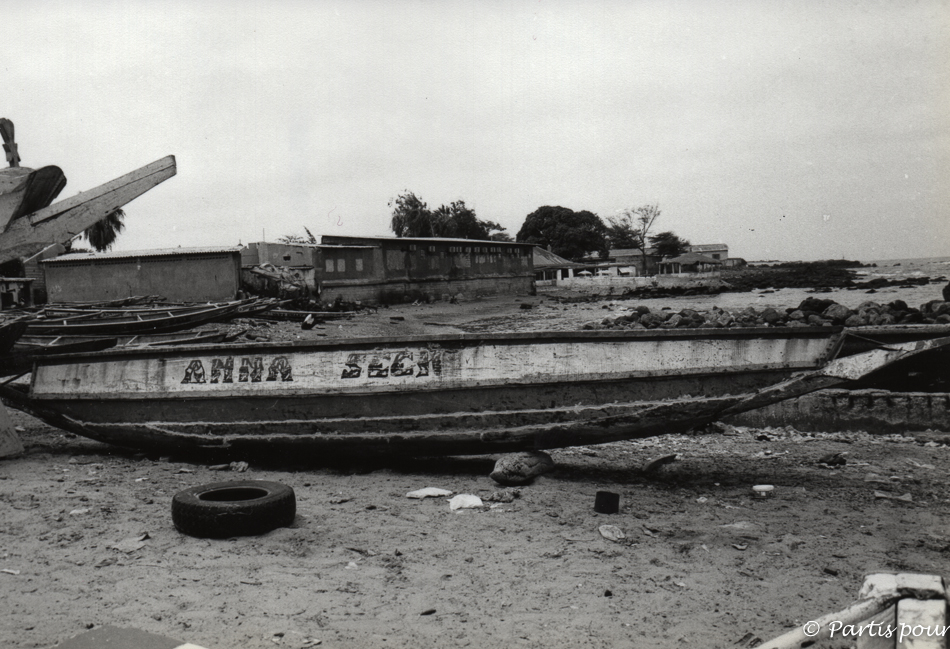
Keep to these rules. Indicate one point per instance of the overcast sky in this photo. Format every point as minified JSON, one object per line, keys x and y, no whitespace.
{"x":788,"y":130}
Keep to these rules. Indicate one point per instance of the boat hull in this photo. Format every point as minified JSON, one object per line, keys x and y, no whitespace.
{"x":421,"y":395}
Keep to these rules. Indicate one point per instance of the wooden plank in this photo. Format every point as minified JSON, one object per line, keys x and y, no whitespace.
{"x":59,"y":222}
{"x":854,"y":614}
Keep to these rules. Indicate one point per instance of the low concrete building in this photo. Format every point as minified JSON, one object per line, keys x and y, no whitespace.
{"x":691,"y":262}
{"x":177,"y":274}
{"x":33,"y":270}
{"x":632,"y":259}
{"x":394,"y":269}
{"x":549,"y":268}
{"x":718,"y":251}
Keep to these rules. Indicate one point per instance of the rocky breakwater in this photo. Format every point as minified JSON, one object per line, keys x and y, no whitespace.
{"x":812,"y":312}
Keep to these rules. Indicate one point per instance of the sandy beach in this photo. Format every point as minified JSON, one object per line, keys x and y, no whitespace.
{"x":89,"y":539}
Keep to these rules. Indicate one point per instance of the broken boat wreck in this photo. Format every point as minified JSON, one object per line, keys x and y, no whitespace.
{"x":439,"y":395}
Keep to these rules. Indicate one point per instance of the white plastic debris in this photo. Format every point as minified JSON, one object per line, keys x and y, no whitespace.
{"x":465,"y":501}
{"x":612,"y":533}
{"x":428,"y":492}
{"x":132,"y":543}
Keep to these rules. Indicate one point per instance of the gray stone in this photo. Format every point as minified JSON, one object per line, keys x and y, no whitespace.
{"x":521,"y":468}
{"x":837,"y":312}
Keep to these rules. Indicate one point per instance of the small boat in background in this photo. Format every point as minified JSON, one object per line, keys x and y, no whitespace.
{"x":135,"y":321}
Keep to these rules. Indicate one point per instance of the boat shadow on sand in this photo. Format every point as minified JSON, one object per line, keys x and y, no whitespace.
{"x":789,"y":464}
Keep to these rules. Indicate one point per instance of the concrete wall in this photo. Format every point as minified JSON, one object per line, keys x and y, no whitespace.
{"x":186,"y":278}
{"x":278,"y":254}
{"x":617,"y":284}
{"x":399,"y":291}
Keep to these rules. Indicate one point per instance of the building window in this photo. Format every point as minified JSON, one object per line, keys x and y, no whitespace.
{"x":341,"y":265}
{"x":329,"y":265}
{"x":359,"y":265}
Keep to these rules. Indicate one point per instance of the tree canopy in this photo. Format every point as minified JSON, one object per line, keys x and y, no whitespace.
{"x":632,"y":226}
{"x":621,"y":233}
{"x":667,"y":244}
{"x":565,"y":232}
{"x":413,"y":218}
{"x":296,"y":238}
{"x":103,"y":233}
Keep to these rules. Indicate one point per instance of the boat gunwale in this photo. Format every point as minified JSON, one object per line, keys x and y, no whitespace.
{"x":281,"y":390}
{"x":462,"y":339}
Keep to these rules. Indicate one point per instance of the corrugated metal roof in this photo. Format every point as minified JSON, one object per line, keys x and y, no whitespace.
{"x":547,"y":259}
{"x":426,"y":239}
{"x":629,"y":252}
{"x":691,"y":258}
{"x":133,"y":254}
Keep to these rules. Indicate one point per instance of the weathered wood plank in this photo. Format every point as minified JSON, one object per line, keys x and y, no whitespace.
{"x":67,"y":218}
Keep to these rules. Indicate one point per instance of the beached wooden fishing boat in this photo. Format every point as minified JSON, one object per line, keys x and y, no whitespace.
{"x":143,"y":321}
{"x":447,"y":394}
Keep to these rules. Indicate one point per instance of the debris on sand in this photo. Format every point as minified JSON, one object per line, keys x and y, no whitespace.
{"x":521,"y":468}
{"x":612,"y":533}
{"x":503,"y":496}
{"x":653,"y":465}
{"x":428,"y":492}
{"x":465,"y":501}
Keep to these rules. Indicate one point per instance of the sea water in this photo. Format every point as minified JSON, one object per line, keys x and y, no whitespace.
{"x":891,"y":269}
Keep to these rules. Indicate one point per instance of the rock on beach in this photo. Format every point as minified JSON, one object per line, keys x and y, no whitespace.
{"x":812,"y":312}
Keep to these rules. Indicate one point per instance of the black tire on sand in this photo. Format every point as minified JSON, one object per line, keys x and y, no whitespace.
{"x":237,"y":508}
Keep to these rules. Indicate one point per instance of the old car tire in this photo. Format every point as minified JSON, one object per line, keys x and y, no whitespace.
{"x":236,"y":508}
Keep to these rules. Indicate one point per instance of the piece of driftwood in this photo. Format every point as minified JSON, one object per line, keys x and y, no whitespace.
{"x":903,"y":601}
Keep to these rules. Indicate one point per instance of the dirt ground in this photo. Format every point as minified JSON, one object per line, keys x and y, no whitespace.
{"x":87,"y":538}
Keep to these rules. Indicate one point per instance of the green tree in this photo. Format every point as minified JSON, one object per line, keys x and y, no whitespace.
{"x":565,"y":232}
{"x":104,"y":232}
{"x":412,"y":218}
{"x":621,"y":232}
{"x":668,"y":244}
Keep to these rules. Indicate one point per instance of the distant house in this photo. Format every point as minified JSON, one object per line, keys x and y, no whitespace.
{"x":548,"y":267}
{"x":633,"y":258}
{"x":177,"y":274}
{"x":718,"y":251}
{"x":691,"y":262}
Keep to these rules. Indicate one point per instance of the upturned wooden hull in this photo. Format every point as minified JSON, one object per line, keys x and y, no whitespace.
{"x":30,"y":233}
{"x":423,"y":395}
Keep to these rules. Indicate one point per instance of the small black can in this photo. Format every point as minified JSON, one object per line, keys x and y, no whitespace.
{"x":606,"y":502}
